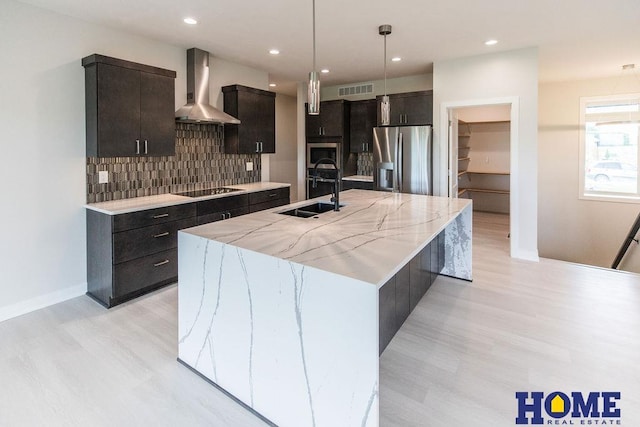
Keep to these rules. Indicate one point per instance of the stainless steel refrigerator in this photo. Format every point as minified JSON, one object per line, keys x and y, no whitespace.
{"x":402,"y":159}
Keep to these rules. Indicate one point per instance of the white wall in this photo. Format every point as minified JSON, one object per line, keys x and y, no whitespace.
{"x":490,"y":147}
{"x":284,"y":163}
{"x":507,"y":75}
{"x":43,"y":253}
{"x":583,"y":231}
{"x":396,"y":85}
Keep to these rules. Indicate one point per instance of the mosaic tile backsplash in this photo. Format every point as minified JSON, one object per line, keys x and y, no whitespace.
{"x":365,"y":163}
{"x":199,"y":163}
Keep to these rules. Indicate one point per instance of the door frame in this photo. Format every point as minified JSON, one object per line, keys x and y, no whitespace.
{"x":514,"y":191}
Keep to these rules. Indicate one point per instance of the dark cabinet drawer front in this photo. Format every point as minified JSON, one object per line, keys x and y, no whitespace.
{"x":219,"y":216}
{"x":222,"y":204}
{"x":265,"y":196}
{"x":152,"y":217}
{"x":268,"y":204}
{"x":360,"y":185}
{"x":131,"y":244}
{"x":140,"y":273}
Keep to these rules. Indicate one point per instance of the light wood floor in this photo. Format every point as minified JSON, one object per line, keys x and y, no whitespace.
{"x":457,"y":361}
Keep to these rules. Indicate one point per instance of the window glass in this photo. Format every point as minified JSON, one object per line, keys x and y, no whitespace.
{"x":610,"y":147}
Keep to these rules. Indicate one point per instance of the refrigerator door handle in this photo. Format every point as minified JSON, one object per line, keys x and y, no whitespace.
{"x":399,"y":162}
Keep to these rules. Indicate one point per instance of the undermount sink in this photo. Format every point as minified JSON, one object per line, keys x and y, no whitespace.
{"x":308,"y":211}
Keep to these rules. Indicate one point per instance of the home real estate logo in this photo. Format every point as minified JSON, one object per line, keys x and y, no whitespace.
{"x":575,"y":408}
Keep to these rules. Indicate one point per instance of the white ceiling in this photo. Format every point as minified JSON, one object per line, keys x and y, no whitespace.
{"x":576,"y":38}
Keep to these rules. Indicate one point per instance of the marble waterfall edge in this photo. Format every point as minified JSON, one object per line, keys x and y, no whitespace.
{"x":458,"y":246}
{"x":297,"y":344}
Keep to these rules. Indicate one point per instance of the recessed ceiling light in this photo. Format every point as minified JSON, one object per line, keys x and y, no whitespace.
{"x":272,"y":85}
{"x":274,"y":52}
{"x":190,"y":21}
{"x":396,"y":59}
{"x":491,"y":42}
{"x":324,"y":70}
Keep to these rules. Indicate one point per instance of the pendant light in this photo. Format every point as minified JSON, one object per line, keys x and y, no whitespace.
{"x":385,"y":106}
{"x":313,"y":95}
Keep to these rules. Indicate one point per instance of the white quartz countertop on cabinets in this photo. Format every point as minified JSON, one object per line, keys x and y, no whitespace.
{"x":362,"y":178}
{"x":116,"y":207}
{"x":370,"y":239}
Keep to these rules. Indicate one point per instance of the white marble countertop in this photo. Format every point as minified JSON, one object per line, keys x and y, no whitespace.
{"x":115,"y":207}
{"x":363,"y":178}
{"x":370,"y":239}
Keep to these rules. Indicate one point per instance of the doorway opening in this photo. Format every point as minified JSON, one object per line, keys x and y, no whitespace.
{"x":481,"y":138}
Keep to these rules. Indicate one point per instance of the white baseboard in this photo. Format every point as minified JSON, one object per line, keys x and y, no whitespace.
{"x":42,"y":301}
{"x":526,"y":255}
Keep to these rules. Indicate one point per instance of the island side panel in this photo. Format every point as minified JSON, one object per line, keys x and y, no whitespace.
{"x":296,"y":344}
{"x":458,"y":246}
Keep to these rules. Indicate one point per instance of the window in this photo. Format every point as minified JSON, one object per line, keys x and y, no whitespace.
{"x":609,"y":155}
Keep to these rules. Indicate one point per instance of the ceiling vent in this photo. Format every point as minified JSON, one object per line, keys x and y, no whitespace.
{"x":359,"y":89}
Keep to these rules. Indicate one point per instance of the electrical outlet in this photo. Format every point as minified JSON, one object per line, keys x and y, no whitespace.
{"x":249,"y":166}
{"x":103,"y":177}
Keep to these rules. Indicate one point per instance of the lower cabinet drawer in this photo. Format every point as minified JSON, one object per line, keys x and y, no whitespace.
{"x":135,"y":275}
{"x":128,"y":245}
{"x":268,"y":205}
{"x":219,"y":216}
{"x":359,"y":185}
{"x":148,"y":217}
{"x":264,"y":196}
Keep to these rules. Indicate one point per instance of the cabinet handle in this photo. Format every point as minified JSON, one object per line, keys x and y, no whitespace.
{"x":158,"y":264}
{"x":273,"y":194}
{"x":160,"y":216}
{"x":137,"y":146}
{"x":146,"y":143}
{"x":229,"y":215}
{"x":166,"y":233}
{"x":224,"y":216}
{"x":257,"y":147}
{"x":261,"y":147}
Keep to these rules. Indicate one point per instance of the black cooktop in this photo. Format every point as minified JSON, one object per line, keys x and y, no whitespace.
{"x":207,"y":192}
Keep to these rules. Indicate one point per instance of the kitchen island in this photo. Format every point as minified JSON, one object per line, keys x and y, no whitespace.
{"x":285,"y":313}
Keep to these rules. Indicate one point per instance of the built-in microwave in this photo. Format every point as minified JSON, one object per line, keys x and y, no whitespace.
{"x":322,"y":150}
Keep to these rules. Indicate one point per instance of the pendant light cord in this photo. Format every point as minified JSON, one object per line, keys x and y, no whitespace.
{"x":385,"y":64}
{"x":314,"y":35}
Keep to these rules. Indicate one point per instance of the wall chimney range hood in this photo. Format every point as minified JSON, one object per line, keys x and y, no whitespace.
{"x":198,"y":109}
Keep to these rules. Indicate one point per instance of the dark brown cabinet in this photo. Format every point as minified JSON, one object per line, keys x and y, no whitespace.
{"x":362,"y":121}
{"x":256,"y":110}
{"x":401,"y":294}
{"x":262,"y":200}
{"x":134,"y":253}
{"x":333,"y":120}
{"x":348,"y":184}
{"x":129,"y":108}
{"x":411,"y":108}
{"x":222,"y":208}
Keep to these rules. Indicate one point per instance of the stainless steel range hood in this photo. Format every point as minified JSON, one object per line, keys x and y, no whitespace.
{"x":198,"y":109}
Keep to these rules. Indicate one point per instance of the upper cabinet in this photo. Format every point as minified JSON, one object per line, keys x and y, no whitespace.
{"x":129,"y":108}
{"x":333,"y":120}
{"x":363,"y":120}
{"x":256,"y":110}
{"x":411,"y":108}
